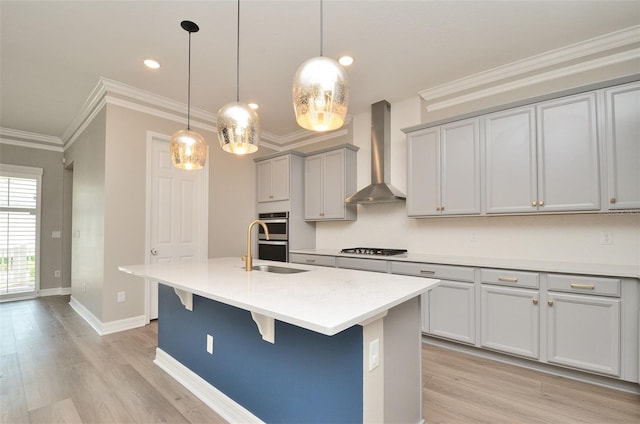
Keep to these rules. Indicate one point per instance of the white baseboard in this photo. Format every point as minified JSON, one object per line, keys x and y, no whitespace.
{"x":57,"y":291}
{"x":103,"y":328}
{"x":226,"y":407}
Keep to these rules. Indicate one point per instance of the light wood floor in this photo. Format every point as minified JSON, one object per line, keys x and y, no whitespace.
{"x":55,"y":369}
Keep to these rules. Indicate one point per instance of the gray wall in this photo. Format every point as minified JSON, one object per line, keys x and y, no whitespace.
{"x":51,"y":252}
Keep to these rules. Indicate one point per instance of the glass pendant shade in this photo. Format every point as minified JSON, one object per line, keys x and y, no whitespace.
{"x":320,"y":94}
{"x":188,"y":150}
{"x":238,"y":128}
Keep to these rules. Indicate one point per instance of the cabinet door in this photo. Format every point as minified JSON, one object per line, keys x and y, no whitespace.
{"x":334,"y":185}
{"x":584,"y":332}
{"x":623,"y":146}
{"x":460,"y":156}
{"x":510,"y":162}
{"x":451,"y":309}
{"x":313,"y":187}
{"x":280,"y":178}
{"x":264,"y":181}
{"x":510,"y":320}
{"x":568,"y":154}
{"x":423,"y":180}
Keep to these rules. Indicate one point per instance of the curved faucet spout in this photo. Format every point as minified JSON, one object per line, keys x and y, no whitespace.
{"x":248,"y":260}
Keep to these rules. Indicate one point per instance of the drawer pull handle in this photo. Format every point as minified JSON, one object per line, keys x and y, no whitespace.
{"x":311,"y":261}
{"x":535,"y":301}
{"x":427,"y":271}
{"x":509,"y":279}
{"x":582,"y":286}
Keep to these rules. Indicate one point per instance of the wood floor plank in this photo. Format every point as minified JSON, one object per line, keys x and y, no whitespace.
{"x":13,"y":402}
{"x":62,"y":412}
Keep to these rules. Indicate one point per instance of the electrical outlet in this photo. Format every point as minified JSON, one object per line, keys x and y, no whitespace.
{"x":606,"y":237}
{"x":120,"y":296}
{"x":374,"y":354}
{"x":475,"y":238}
{"x":56,"y":273}
{"x":210,"y":344}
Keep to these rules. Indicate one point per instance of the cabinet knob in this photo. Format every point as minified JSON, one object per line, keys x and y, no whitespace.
{"x":550,"y":302}
{"x":270,"y":197}
{"x":535,"y":301}
{"x":437,"y":208}
{"x":612,"y":200}
{"x":533,"y":204}
{"x":321,"y":213}
{"x":441,"y":208}
{"x":541,"y":203}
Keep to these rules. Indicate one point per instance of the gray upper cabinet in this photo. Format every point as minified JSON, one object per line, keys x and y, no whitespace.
{"x":273,"y":179}
{"x":568,"y":174}
{"x":510,"y":162}
{"x":444,"y":170}
{"x":330,"y":177}
{"x":623,"y":146}
{"x":543,"y":158}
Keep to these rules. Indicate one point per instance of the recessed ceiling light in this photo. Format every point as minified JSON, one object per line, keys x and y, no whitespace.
{"x":345,"y":60}
{"x":253,"y":106}
{"x":151,"y":64}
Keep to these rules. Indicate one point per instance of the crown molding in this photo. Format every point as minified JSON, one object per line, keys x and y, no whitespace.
{"x":584,"y":49}
{"x":20,"y":138}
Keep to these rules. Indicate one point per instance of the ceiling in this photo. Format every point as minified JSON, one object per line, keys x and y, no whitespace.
{"x":53,"y":53}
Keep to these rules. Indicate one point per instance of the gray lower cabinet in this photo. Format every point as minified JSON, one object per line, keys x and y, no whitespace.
{"x":449,"y":310}
{"x":623,"y":146}
{"x":320,"y":260}
{"x":588,"y":323}
{"x":584,"y":322}
{"x":510,"y":320}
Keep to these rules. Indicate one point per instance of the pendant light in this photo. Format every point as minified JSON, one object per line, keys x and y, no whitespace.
{"x":320,"y":92}
{"x":238,"y":124}
{"x":188,"y":149}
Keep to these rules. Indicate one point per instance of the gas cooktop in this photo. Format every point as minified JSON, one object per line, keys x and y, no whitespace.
{"x":374,"y":251}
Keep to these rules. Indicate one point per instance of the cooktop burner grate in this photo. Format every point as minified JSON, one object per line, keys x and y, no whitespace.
{"x":374,"y":251}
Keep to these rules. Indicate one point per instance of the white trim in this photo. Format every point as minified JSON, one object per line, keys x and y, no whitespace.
{"x":106,"y":327}
{"x":226,"y":407}
{"x":19,"y":170}
{"x":57,"y":291}
{"x":25,"y":135}
{"x":85,"y":124}
{"x":30,"y":145}
{"x":585,"y":48}
{"x":538,"y":78}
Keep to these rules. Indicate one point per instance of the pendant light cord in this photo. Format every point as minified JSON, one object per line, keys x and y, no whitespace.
{"x":238,"y":57}
{"x":321,"y":25}
{"x":189,"y":87}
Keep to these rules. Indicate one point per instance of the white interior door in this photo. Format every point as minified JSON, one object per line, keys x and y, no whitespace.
{"x":177,"y":213}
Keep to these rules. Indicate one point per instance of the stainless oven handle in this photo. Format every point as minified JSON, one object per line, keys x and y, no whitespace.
{"x":273,"y":243}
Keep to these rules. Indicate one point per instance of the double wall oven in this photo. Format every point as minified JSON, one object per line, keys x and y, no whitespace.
{"x":277,"y":247}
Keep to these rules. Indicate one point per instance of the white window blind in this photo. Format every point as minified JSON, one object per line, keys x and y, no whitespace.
{"x":18,"y":234}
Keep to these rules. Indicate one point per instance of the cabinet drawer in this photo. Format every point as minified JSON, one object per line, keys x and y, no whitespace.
{"x":507,"y":277}
{"x":584,"y":285}
{"x":444,"y":272}
{"x":319,"y":260}
{"x":362,"y":264}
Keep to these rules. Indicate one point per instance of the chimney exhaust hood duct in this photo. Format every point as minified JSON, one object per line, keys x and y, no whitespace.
{"x":380,"y":190}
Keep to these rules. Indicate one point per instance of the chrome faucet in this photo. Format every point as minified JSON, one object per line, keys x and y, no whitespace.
{"x":248,"y":260}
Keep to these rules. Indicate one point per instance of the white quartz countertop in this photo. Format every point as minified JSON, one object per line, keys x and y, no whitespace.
{"x":612,"y":270}
{"x":324,"y":300}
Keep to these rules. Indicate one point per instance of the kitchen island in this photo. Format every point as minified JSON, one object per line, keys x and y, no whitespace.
{"x":322,"y":345}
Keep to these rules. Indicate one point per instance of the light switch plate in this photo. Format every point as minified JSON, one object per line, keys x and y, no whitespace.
{"x":210,"y":344}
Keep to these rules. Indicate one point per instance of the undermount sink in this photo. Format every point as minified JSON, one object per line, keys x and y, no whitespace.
{"x":278,"y":269}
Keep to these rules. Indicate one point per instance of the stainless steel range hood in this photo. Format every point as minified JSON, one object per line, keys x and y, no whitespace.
{"x":380,"y":190}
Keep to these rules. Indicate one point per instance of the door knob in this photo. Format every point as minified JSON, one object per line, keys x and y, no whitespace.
{"x":154,"y":251}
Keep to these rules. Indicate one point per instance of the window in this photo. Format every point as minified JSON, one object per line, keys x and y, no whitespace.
{"x":19,"y":235}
